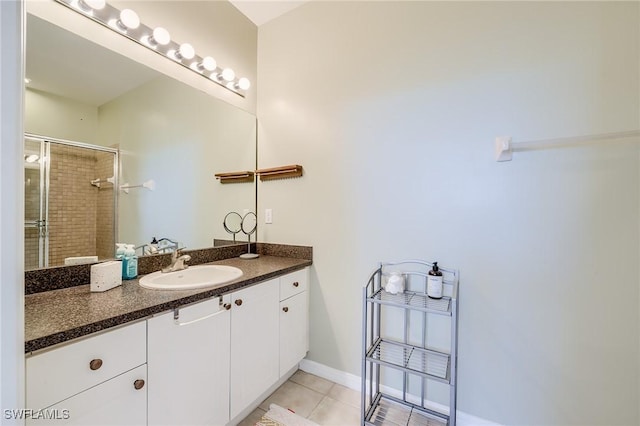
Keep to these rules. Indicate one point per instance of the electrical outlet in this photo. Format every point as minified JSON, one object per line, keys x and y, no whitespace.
{"x":268,"y":216}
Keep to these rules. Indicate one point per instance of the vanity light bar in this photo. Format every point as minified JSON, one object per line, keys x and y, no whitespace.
{"x":127,"y":23}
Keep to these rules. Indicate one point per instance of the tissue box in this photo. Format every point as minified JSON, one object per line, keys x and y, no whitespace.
{"x":106,"y":275}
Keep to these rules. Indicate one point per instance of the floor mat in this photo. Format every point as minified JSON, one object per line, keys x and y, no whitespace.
{"x":278,"y":416}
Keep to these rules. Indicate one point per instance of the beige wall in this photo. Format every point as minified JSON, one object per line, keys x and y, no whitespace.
{"x":392,"y":109}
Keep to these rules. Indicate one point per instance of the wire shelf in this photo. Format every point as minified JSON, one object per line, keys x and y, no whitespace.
{"x":410,"y":355}
{"x":413,"y":300}
{"x":390,"y":413}
{"x":424,"y":362}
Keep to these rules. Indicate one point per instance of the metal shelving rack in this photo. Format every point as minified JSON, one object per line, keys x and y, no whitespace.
{"x":382,"y":405}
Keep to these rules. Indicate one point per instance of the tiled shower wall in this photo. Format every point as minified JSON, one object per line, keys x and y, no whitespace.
{"x":80,"y":214}
{"x":105,"y":214}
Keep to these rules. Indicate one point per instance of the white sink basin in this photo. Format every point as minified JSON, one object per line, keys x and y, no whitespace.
{"x":193,"y":277}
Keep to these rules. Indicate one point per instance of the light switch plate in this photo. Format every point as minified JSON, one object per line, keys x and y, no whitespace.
{"x":268,"y":216}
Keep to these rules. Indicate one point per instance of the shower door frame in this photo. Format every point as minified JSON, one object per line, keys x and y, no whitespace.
{"x":45,"y":167}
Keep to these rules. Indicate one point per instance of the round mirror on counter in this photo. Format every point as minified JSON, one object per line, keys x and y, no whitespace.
{"x":248,"y":226}
{"x":232,"y":223}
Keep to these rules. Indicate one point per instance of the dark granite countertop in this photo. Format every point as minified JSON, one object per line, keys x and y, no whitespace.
{"x":57,"y":316}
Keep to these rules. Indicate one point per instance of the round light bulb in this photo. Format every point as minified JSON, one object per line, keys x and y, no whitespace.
{"x":161,"y":36}
{"x":95,"y":4}
{"x":186,"y":51}
{"x":88,"y":6}
{"x":244,"y":83}
{"x":32,"y":158}
{"x":228,"y":74}
{"x":129,"y":19}
{"x":208,"y":63}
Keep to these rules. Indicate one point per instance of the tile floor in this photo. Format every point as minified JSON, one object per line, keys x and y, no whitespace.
{"x":318,"y":399}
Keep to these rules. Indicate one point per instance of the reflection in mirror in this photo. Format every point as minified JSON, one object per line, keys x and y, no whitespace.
{"x":232,"y":224}
{"x":164,"y":130}
{"x":248,"y":226}
{"x":70,"y":202}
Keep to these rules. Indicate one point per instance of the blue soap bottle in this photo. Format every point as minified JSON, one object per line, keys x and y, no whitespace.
{"x":130,"y":265}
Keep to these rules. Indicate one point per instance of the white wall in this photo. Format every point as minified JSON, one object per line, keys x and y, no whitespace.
{"x":392,"y":109}
{"x":50,"y":115}
{"x":180,"y":138}
{"x":11,"y":210}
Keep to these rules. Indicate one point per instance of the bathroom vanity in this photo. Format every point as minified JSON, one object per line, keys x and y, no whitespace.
{"x":199,"y":357}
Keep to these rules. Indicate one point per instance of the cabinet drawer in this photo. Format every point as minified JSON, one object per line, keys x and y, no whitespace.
{"x":293,"y":283}
{"x":119,"y":401}
{"x":65,"y":371}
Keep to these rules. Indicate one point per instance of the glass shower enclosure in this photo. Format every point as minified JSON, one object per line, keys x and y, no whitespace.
{"x":70,"y":201}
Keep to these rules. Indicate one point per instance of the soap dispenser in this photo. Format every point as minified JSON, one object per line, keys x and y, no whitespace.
{"x":120,"y":248}
{"x":434,"y":282}
{"x":130,"y":265}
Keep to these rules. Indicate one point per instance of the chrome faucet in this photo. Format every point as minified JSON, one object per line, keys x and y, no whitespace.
{"x":177,"y":261}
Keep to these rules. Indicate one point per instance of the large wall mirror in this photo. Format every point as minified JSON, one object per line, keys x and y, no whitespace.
{"x":163,"y":131}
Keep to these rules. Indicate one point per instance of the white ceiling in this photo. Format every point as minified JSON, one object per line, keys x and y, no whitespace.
{"x":64,"y":64}
{"x":262,"y":11}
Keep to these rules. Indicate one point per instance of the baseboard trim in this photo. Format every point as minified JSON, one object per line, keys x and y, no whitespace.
{"x":353,"y":382}
{"x":340,"y":377}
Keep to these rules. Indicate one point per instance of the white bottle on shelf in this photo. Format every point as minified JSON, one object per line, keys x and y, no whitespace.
{"x":434,"y":282}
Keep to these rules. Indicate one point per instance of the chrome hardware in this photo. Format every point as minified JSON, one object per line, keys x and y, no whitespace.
{"x":177,"y":262}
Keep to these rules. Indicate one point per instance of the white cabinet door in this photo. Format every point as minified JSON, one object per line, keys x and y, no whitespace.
{"x":188,"y":362}
{"x":120,"y":401}
{"x":294,"y":330}
{"x":254,"y":343}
